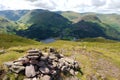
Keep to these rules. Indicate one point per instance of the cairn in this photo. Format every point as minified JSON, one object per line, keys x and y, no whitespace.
{"x":38,"y":65}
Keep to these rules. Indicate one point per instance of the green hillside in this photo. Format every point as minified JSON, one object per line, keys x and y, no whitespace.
{"x":98,"y":57}
{"x":72,"y":16}
{"x":94,"y":25}
{"x":43,"y":24}
{"x":7,"y":26}
{"x":13,"y":15}
{"x":112,"y":19}
{"x":7,"y":41}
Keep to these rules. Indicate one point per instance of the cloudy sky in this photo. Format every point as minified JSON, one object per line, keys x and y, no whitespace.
{"x":100,"y":6}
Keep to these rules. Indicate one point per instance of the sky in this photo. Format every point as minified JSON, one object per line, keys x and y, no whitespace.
{"x":99,"y":6}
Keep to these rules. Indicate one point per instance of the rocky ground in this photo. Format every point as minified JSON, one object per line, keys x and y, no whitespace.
{"x":44,"y":65}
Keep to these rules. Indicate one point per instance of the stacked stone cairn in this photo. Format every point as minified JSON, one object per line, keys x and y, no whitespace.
{"x":38,"y":65}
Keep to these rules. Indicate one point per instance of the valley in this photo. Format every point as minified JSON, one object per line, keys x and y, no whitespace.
{"x":92,"y":39}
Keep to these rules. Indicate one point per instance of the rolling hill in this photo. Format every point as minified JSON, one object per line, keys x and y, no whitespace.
{"x":43,"y":24}
{"x":72,"y":16}
{"x":7,"y":26}
{"x":8,"y":40}
{"x":108,"y":23}
{"x":13,"y":15}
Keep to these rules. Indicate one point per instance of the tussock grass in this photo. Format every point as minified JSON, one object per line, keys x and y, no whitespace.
{"x":86,"y":52}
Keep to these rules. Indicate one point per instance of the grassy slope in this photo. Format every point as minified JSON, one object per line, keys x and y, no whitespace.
{"x":13,"y":15}
{"x":7,"y":41}
{"x":7,"y":26}
{"x":111,"y":19}
{"x":98,"y":57}
{"x":72,"y":16}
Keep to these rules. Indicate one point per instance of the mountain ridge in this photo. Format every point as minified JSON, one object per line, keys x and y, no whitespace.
{"x":60,"y":24}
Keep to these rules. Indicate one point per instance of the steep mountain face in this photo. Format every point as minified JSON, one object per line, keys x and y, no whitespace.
{"x":7,"y":26}
{"x":43,"y":24}
{"x":13,"y":15}
{"x":84,"y":29}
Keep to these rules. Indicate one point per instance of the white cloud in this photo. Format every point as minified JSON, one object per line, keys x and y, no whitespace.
{"x":103,"y":6}
{"x":16,"y":4}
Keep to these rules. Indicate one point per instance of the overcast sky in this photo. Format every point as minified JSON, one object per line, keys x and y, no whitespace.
{"x":100,"y":6}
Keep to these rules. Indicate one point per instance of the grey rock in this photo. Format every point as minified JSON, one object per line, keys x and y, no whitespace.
{"x":64,"y":68}
{"x":41,"y":63}
{"x":8,"y":64}
{"x":18,"y":63}
{"x":71,"y":61}
{"x":35,"y":78}
{"x":54,"y":72}
{"x":44,"y":70}
{"x":22,"y":59}
{"x":46,"y":77}
{"x":52,"y":57}
{"x":30,"y":71}
{"x":34,"y":54}
{"x":72,"y":72}
{"x":33,"y":51}
{"x":33,"y":57}
{"x":34,"y":61}
{"x":44,"y":58}
{"x":54,"y":64}
{"x":17,"y":69}
{"x":76,"y":66}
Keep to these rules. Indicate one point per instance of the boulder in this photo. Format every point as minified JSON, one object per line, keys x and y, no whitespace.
{"x":30,"y":71}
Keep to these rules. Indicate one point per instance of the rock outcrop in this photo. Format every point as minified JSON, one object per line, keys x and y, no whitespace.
{"x":39,"y":65}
